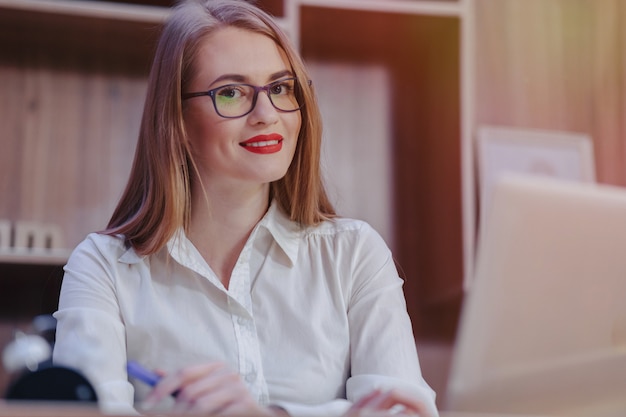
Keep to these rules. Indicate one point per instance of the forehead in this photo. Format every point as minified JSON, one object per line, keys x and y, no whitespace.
{"x":231,"y":50}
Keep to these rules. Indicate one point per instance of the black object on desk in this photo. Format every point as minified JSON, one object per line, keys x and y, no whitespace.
{"x":52,"y":383}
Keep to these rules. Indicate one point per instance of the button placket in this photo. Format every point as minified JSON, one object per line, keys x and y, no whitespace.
{"x":250,"y":365}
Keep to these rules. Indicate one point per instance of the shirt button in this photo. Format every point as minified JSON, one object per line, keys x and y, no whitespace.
{"x":242,"y":320}
{"x":251,"y":377}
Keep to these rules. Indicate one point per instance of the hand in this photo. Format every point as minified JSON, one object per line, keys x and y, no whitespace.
{"x":210,"y":388}
{"x":386,"y":403}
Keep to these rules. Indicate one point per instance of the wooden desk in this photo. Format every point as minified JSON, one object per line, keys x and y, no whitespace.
{"x":33,"y":409}
{"x":462,"y":414}
{"x":46,"y":409}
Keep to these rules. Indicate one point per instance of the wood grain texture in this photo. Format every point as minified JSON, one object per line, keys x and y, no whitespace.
{"x":68,"y":139}
{"x":557,"y":65}
{"x":421,"y":55}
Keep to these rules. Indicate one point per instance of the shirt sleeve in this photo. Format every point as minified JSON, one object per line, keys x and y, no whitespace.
{"x":90,"y":335}
{"x":383,"y":350}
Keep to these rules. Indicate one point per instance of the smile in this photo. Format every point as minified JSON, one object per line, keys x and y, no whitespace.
{"x":263,"y":144}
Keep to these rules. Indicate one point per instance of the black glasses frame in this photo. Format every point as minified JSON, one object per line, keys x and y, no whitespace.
{"x":257,"y":90}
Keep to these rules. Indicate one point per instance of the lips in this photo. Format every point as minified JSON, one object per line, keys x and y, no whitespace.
{"x":263,"y":144}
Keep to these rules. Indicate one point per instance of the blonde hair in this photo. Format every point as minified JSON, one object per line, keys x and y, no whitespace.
{"x":156,"y":201}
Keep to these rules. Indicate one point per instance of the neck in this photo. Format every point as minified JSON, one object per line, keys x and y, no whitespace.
{"x":221,"y":222}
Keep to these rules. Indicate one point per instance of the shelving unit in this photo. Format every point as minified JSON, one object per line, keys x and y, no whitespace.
{"x":73,"y":75}
{"x":76,"y":73}
{"x":88,"y":9}
{"x":34,"y":256}
{"x":423,"y":46}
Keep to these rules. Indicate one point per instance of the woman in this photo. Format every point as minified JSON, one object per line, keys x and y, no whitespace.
{"x":224,"y":265}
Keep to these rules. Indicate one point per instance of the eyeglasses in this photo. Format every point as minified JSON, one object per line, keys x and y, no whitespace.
{"x":237,"y":100}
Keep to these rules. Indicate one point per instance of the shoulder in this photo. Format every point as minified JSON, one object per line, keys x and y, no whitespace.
{"x":343,"y":229}
{"x":339,"y":225}
{"x":334,"y":229}
{"x":103,"y":247}
{"x":336,"y":225}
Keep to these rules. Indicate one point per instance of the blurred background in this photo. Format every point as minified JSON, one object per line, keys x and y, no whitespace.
{"x":403,"y":86}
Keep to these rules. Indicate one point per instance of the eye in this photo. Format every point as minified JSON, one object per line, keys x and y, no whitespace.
{"x":284,"y":87}
{"x":230,"y":92}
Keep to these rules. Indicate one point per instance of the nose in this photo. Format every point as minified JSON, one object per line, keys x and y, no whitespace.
{"x":263,"y":111}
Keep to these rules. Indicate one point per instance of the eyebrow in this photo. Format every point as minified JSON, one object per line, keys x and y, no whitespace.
{"x":238,"y":78}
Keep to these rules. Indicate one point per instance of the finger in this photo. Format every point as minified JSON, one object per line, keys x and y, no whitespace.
{"x":220,"y":390}
{"x":205,"y":385}
{"x":169,"y":384}
{"x":224,"y":400}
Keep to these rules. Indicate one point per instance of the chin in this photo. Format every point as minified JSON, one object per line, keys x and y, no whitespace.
{"x":276,"y":176}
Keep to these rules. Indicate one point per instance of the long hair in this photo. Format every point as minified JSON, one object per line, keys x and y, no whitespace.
{"x":156,"y":201}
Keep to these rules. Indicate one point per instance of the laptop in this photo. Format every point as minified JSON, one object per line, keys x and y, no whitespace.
{"x":543,"y":326}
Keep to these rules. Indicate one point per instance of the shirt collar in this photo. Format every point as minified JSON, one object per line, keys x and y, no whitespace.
{"x":285,"y":232}
{"x":130,"y":256}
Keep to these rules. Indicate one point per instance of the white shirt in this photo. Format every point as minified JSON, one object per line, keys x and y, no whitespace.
{"x":313,"y":319}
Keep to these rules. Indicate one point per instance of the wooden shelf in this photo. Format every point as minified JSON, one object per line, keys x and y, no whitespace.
{"x":35,"y":256}
{"x":83,"y":30}
{"x":420,"y":7}
{"x":76,"y":74}
{"x":68,"y":9}
{"x":419,"y":50}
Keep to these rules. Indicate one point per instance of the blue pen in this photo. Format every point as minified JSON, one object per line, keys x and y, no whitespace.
{"x":137,"y":371}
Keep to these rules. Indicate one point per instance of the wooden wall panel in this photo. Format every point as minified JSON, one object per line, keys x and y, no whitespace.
{"x":608,"y":72}
{"x":559,"y":65}
{"x":68,"y":140}
{"x":75,"y":101}
{"x":425,"y":134}
{"x":357,"y":146}
{"x":73,"y":91}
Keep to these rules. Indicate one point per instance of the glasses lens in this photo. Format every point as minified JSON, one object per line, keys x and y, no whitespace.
{"x":234,"y":100}
{"x":283,"y":94}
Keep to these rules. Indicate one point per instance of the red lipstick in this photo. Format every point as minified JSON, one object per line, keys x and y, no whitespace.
{"x":263,"y":144}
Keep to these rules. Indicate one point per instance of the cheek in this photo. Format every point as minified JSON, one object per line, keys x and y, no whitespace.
{"x":200,"y":129}
{"x":196,"y":119}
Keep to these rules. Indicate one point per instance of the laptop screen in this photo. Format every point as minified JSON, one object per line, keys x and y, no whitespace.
{"x":543,"y":328}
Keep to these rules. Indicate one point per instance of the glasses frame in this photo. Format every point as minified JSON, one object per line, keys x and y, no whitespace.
{"x":257,"y":89}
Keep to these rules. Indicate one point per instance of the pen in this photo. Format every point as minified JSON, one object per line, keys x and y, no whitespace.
{"x":137,"y":371}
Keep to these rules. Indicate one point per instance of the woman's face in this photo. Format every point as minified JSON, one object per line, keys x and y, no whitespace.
{"x":258,"y":147}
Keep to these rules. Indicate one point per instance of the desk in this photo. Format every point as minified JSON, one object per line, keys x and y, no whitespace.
{"x":46,"y":409}
{"x":32,"y":409}
{"x":463,"y":414}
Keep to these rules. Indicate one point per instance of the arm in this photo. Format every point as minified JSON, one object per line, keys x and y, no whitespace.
{"x":383,"y":352}
{"x":208,"y":388}
{"x":90,"y":332}
{"x":387,"y":402}
{"x":382,"y":355}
